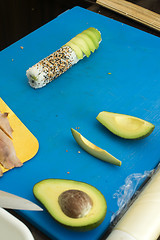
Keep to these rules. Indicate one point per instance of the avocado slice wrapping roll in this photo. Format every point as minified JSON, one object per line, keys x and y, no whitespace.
{"x":51,"y":67}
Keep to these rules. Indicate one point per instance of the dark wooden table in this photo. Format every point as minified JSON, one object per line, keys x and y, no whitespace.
{"x":26,"y":17}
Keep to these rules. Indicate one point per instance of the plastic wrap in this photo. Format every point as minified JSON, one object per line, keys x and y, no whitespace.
{"x":141,"y":221}
{"x":125,"y":193}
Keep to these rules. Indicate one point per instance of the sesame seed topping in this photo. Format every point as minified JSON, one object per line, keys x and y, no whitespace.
{"x":53,"y":66}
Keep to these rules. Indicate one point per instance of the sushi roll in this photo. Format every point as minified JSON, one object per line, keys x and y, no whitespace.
{"x":64,"y":58}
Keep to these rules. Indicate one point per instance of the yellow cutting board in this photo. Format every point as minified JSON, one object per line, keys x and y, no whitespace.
{"x":25,"y":143}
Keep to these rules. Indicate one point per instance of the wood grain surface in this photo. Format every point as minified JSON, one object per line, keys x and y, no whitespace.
{"x":133,"y":11}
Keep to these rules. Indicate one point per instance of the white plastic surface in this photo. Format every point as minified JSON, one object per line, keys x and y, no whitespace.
{"x":119,"y":235}
{"x":12,"y":228}
{"x":142,"y":219}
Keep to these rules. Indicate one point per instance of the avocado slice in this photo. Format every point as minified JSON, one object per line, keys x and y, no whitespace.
{"x":88,"y":40}
{"x":93,"y":149}
{"x":125,"y":126}
{"x":94,"y":34}
{"x":77,"y":50}
{"x":76,"y":205}
{"x":82,"y":45}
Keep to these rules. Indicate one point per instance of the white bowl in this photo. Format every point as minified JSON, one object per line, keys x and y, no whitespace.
{"x":13,"y":228}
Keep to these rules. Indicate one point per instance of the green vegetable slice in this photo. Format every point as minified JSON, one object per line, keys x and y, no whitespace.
{"x":125,"y":126}
{"x":93,"y":149}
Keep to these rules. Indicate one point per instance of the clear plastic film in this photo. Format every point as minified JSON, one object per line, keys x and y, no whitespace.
{"x":130,"y":188}
{"x":139,"y":208}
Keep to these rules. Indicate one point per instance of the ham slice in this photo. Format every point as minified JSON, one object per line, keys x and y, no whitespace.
{"x":4,"y":124}
{"x":8,"y":158}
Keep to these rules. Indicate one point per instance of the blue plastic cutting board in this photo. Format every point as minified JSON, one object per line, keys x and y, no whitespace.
{"x":74,"y":100}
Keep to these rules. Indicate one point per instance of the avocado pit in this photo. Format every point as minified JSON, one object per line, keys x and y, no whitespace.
{"x":75,"y":203}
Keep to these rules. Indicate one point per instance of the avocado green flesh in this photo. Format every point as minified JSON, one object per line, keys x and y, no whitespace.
{"x":77,"y":50}
{"x":125,"y":126}
{"x":85,"y":42}
{"x":81,"y":44}
{"x":33,"y":78}
{"x":96,"y":33}
{"x":93,"y":149}
{"x":92,"y":36}
{"x":88,"y":40}
{"x":48,"y":192}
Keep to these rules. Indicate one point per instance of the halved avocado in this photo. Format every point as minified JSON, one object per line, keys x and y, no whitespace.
{"x":88,"y":40}
{"x":94,"y":150}
{"x":77,"y":50}
{"x":82,"y":45}
{"x":76,"y":205}
{"x":125,"y":126}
